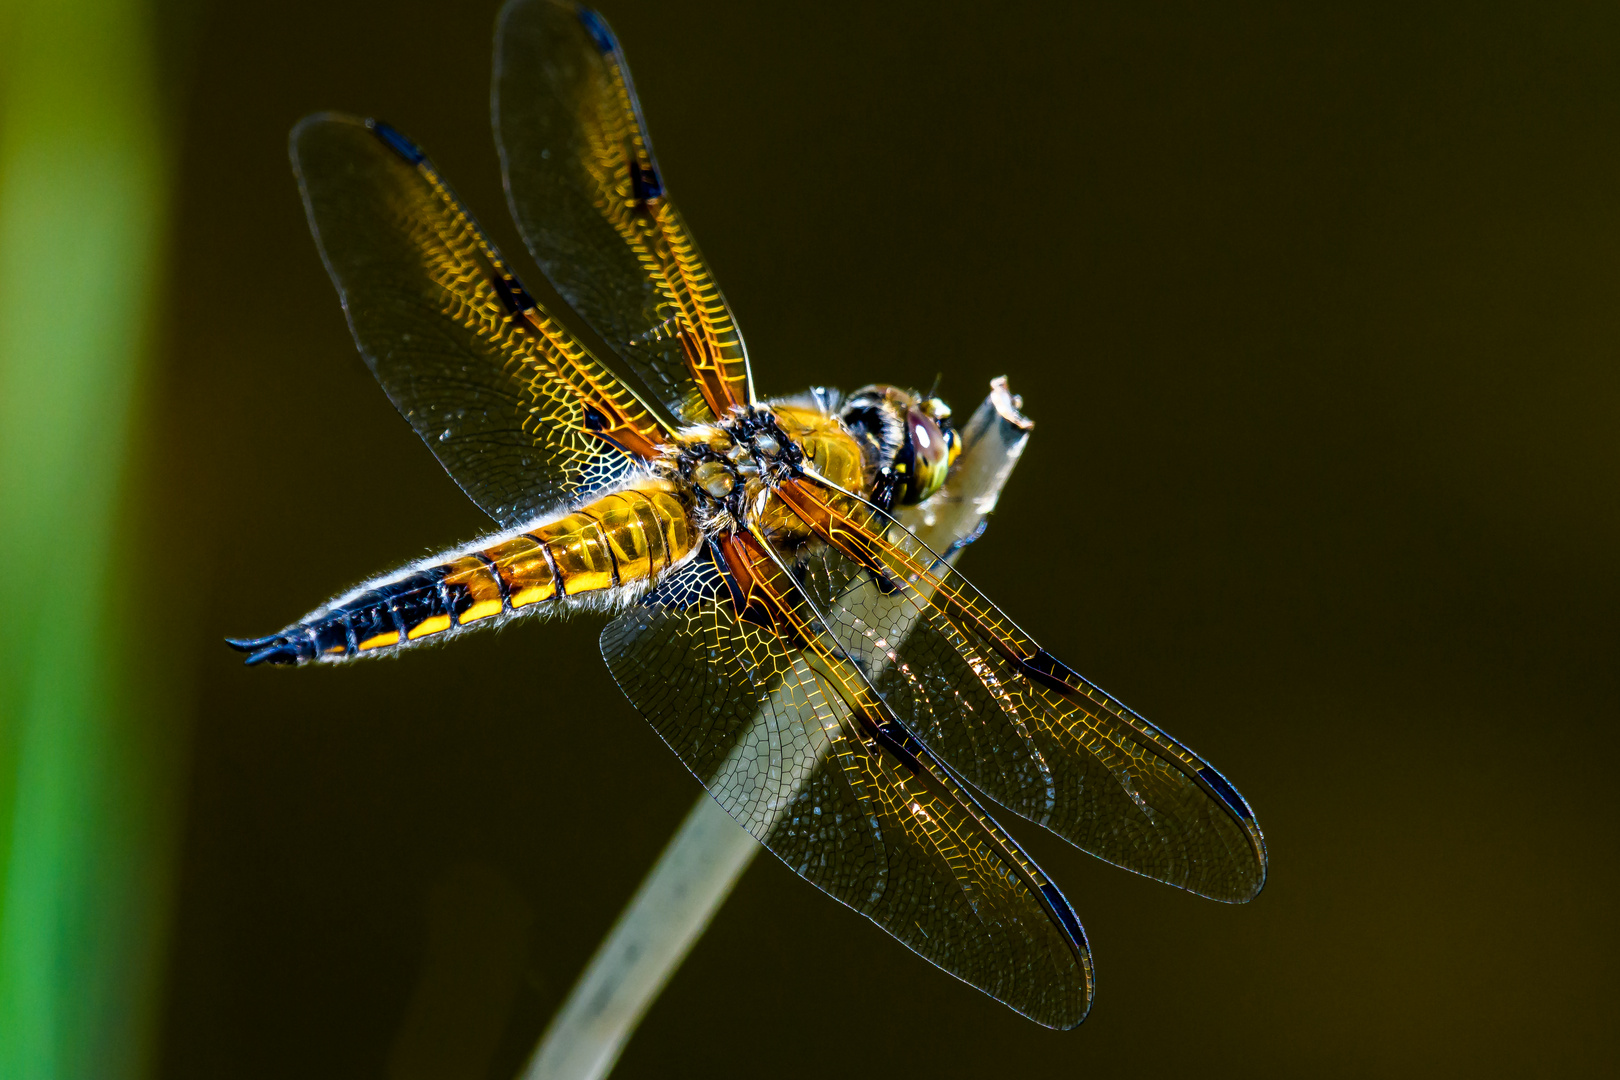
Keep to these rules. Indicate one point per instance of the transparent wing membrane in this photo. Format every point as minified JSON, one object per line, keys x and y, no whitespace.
{"x":519,"y":413}
{"x":1015,"y":722}
{"x":783,"y":732}
{"x":591,"y":204}
{"x":837,"y":687}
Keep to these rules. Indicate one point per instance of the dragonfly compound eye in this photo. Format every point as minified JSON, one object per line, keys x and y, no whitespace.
{"x":930,"y":453}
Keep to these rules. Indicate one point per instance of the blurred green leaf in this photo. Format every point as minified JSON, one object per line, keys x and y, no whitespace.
{"x":82,"y":221}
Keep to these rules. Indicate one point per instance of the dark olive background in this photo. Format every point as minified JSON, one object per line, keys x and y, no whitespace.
{"x":1316,"y":312}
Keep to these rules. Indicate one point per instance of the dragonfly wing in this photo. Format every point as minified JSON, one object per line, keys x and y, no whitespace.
{"x":1011,"y":719}
{"x":781,"y":733}
{"x":519,"y":413}
{"x":591,"y":204}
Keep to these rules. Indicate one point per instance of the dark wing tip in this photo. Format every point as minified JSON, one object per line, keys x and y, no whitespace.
{"x":1066,"y":918}
{"x":596,"y":26}
{"x":1063,"y":914}
{"x":398,"y":143}
{"x":1227,"y":793}
{"x":644,"y":177}
{"x":1235,"y":804}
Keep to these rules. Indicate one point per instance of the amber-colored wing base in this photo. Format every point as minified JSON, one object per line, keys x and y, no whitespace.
{"x":516,"y":409}
{"x":588,"y":196}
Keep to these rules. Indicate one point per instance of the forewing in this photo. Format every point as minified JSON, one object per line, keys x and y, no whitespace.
{"x":591,"y":204}
{"x":1014,"y":721}
{"x":768,"y":726}
{"x":512,"y":405}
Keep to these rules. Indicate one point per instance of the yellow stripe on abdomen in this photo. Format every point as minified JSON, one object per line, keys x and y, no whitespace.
{"x":620,"y":539}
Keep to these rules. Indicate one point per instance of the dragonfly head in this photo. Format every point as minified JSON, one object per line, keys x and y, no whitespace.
{"x":909,"y":439}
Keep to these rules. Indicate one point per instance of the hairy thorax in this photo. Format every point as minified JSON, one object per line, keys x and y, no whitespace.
{"x":729,"y":469}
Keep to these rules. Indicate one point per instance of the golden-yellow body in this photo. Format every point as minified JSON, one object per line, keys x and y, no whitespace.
{"x":611,"y":549}
{"x":620,"y":539}
{"x":828,"y":677}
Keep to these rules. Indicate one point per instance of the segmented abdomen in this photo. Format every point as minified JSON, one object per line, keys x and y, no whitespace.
{"x":618,"y":540}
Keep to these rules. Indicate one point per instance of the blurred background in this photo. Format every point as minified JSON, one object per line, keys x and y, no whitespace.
{"x":1315,"y":310}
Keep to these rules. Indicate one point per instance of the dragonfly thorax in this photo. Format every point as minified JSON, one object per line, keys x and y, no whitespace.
{"x":831,"y":680}
{"x":729,"y":467}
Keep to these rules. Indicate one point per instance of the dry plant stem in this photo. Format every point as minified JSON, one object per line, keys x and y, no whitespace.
{"x":698,"y":868}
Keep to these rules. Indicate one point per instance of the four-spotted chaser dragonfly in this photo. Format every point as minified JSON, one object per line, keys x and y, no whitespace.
{"x":835,"y":684}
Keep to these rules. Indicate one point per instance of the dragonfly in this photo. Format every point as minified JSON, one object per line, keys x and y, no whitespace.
{"x":838,"y":687}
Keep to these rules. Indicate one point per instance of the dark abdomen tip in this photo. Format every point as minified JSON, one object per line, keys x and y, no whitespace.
{"x":275,"y":649}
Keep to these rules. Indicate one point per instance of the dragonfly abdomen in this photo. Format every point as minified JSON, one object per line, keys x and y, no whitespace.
{"x":619,"y":542}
